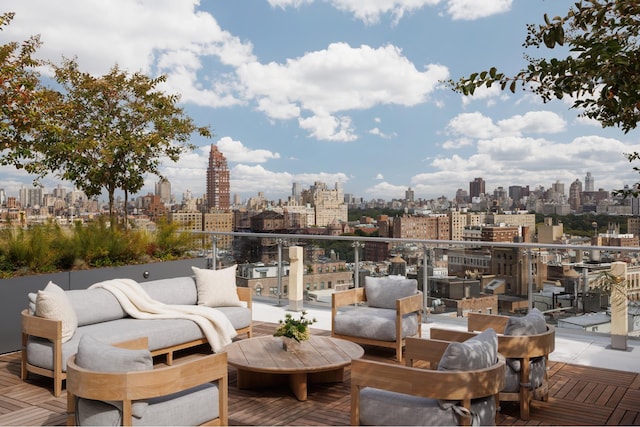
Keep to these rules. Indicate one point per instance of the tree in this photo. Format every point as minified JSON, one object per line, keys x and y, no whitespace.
{"x":601,"y":71}
{"x":114,"y":129}
{"x":25,"y":105}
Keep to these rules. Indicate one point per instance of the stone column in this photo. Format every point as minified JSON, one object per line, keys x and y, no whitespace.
{"x":619,"y":309}
{"x":296,"y":280}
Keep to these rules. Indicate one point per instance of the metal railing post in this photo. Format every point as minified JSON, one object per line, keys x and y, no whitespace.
{"x":356,"y":261}
{"x":530,"y":280}
{"x":279,"y":278}
{"x":214,"y":248}
{"x":425,"y":281}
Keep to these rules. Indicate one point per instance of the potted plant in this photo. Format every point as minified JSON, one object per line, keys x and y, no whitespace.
{"x":294,"y":331}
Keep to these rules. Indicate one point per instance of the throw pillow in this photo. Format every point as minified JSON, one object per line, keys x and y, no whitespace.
{"x":99,"y":356}
{"x":53,"y":303}
{"x":531,"y":324}
{"x":217,"y":288}
{"x":478,"y":352}
{"x":382,"y":292}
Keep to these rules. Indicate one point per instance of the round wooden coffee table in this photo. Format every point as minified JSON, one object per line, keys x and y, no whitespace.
{"x":262,"y":362}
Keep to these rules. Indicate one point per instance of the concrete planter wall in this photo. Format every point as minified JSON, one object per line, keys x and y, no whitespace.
{"x":13,"y":292}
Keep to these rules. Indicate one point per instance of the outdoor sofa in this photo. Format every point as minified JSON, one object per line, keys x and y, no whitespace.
{"x":56,"y":320}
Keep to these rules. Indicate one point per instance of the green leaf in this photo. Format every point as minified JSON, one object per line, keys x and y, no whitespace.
{"x":512,"y":87}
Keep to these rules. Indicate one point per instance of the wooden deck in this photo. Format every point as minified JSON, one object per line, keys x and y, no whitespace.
{"x":579,"y":395}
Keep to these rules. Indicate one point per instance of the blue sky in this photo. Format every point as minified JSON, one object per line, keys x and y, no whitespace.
{"x":338,"y":90}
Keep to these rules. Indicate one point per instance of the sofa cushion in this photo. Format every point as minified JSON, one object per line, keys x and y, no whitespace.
{"x":382,"y":292}
{"x":95,"y":306}
{"x":478,"y":352}
{"x":161,"y":333}
{"x":240,"y":317}
{"x":192,"y":407}
{"x":374,"y":323}
{"x":178,"y":290}
{"x":381,"y":407}
{"x":53,"y":303}
{"x":96,"y":355}
{"x":531,"y":324}
{"x":217,"y":288}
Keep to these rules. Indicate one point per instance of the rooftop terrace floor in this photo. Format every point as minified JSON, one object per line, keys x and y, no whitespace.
{"x":581,"y":391}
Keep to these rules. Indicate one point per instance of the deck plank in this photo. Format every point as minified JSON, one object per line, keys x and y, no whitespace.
{"x":578,"y":395}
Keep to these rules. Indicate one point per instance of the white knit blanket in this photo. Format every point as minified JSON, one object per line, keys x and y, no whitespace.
{"x":137,"y":303}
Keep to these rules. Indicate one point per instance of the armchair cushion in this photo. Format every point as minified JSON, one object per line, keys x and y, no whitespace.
{"x":478,"y":352}
{"x":382,"y":292}
{"x":189,"y":408}
{"x":217,"y":288}
{"x":96,"y":355}
{"x":531,"y":324}
{"x":53,"y":303}
{"x":382,"y":407}
{"x":373,"y":323}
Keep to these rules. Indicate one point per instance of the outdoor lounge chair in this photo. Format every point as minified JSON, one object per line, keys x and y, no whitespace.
{"x":393,"y":312}
{"x":462,"y":390}
{"x":525,"y":342}
{"x":119,"y":386}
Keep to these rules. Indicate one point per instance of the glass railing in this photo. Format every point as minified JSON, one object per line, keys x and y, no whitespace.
{"x":460,"y":276}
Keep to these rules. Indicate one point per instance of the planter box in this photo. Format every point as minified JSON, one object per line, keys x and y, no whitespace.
{"x":14,"y":291}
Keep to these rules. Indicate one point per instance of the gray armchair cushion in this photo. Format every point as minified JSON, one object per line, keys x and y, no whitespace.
{"x":192,"y":407}
{"x":96,"y":355}
{"x":537,"y":372}
{"x":381,"y":407}
{"x":374,"y":323}
{"x":478,"y":352}
{"x":382,"y":292}
{"x":531,"y":324}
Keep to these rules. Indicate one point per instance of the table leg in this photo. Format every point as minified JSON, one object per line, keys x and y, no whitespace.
{"x":298,"y":385}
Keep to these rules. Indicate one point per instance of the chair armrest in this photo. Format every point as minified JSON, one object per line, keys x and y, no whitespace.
{"x":409,"y":304}
{"x":421,"y":349}
{"x":429,"y":383}
{"x":41,"y":327}
{"x":348,"y":297}
{"x":481,"y":321}
{"x":244,"y":294}
{"x":136,"y":385}
{"x":510,"y":346}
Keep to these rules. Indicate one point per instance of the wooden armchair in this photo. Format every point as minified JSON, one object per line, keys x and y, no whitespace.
{"x":180,"y":394}
{"x":530,"y":353}
{"x":386,"y":394}
{"x":394,"y":314}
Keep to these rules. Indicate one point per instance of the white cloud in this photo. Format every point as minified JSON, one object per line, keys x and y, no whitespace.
{"x":387,"y":190}
{"x":483,"y":93}
{"x":473,"y":9}
{"x":337,"y":79}
{"x":235,"y":151}
{"x":533,"y":122}
{"x":370,"y":12}
{"x":379,"y":176}
{"x":472,"y":125}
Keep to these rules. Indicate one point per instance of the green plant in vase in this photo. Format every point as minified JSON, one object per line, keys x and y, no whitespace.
{"x":294,"y":329}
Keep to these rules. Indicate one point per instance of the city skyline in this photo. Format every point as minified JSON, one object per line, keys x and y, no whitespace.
{"x":342,"y":91}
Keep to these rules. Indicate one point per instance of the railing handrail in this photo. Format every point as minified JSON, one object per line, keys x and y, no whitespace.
{"x":427,"y":242}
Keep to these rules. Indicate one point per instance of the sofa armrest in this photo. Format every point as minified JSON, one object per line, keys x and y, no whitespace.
{"x":244,"y":294}
{"x":41,"y":327}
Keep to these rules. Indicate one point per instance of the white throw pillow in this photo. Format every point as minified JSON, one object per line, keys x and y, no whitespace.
{"x":217,"y":288}
{"x":53,"y":303}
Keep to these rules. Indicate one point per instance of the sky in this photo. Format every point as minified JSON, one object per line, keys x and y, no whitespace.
{"x":348,"y":91}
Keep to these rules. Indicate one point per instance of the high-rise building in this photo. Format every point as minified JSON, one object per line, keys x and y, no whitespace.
{"x":218,"y":194}
{"x":589,"y":182}
{"x":409,"y":195}
{"x":476,"y":187}
{"x":575,"y":192}
{"x":163,"y":189}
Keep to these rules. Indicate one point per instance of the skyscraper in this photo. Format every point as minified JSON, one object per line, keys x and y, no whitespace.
{"x":476,"y":187}
{"x":163,"y":189}
{"x":218,"y":194}
{"x":588,"y":182}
